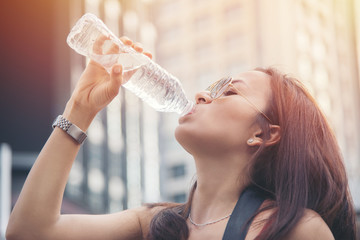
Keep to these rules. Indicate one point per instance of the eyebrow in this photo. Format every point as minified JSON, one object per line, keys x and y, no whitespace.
{"x":239,"y":81}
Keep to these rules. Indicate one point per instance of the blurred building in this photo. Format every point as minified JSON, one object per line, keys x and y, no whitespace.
{"x":202,"y":40}
{"x":118,"y":166}
{"x":357,"y":32}
{"x":25,"y":81}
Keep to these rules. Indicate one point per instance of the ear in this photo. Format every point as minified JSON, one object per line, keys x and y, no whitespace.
{"x":257,"y":139}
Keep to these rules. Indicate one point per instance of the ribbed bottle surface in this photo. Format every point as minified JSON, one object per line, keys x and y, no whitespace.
{"x":142,"y":76}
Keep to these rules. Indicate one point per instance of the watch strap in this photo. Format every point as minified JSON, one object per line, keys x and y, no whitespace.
{"x":74,"y":131}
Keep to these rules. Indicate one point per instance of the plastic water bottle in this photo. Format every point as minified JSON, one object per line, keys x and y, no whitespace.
{"x":146,"y":79}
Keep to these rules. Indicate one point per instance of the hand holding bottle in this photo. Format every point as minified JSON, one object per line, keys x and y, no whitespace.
{"x":142,"y":76}
{"x":96,"y":87}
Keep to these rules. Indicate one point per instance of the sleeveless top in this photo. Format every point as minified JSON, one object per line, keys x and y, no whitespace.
{"x":238,"y":225}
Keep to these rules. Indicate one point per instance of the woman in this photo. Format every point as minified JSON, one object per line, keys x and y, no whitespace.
{"x":258,"y":137}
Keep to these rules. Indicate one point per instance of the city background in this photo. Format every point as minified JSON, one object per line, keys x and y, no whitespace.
{"x":131,"y":156}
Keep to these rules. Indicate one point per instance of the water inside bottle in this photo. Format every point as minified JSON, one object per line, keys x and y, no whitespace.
{"x":90,"y":37}
{"x":151,"y":90}
{"x":141,"y":77}
{"x":129,"y":61}
{"x":134,"y":69}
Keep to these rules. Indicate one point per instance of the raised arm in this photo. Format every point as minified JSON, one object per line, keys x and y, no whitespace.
{"x":36,"y":214}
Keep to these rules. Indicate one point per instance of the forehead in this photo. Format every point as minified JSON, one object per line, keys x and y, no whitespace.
{"x":253,"y":78}
{"x":256,"y":81}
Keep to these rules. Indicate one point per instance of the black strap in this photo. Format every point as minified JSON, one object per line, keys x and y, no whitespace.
{"x":238,"y":225}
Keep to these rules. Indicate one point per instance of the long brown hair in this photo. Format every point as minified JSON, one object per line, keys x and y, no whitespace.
{"x":304,"y":170}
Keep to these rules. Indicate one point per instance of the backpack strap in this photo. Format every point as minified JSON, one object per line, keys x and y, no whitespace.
{"x":238,"y":225}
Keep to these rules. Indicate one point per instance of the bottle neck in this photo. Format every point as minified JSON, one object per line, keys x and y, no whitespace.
{"x":187,"y":109}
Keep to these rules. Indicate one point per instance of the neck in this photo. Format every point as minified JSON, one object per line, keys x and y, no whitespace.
{"x":219,"y":185}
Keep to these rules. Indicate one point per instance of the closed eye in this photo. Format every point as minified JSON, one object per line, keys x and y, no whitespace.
{"x":229,"y":92}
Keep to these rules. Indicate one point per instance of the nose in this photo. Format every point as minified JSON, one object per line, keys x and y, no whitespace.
{"x":203,"y":97}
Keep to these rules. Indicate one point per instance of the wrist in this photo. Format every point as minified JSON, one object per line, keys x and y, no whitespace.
{"x":71,"y":129}
{"x":78,"y":115}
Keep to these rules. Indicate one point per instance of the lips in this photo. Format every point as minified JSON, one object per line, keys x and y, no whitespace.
{"x":192,"y":110}
{"x":182,"y":119}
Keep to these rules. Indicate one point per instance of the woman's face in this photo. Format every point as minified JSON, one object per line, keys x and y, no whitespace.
{"x":223,"y":125}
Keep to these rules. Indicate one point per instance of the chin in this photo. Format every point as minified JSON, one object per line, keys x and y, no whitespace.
{"x":179,"y":133}
{"x":185,"y":137}
{"x":193,"y":139}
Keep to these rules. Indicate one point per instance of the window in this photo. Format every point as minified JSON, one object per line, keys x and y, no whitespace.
{"x":204,"y":52}
{"x":235,"y":41}
{"x":172,"y":34}
{"x":203,"y":23}
{"x":170,"y":7}
{"x":233,"y":12}
{"x":179,"y":198}
{"x":177,"y":171}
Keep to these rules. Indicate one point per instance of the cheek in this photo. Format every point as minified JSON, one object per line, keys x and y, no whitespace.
{"x":234,"y":127}
{"x":191,"y":132}
{"x":195,"y":135}
{"x":219,"y":132}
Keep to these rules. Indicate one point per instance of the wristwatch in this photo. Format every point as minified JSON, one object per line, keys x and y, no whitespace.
{"x":74,"y":131}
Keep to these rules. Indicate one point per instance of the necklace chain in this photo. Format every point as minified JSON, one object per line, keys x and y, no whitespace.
{"x":207,"y":223}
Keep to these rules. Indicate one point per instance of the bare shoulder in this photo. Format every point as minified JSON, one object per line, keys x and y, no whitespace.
{"x":146,"y":213}
{"x":311,"y":226}
{"x":259,"y":221}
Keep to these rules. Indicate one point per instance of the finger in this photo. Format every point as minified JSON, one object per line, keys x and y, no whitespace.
{"x":116,"y":78}
{"x":148,"y":54}
{"x":114,"y":49}
{"x":95,"y":64}
{"x":138,"y":47}
{"x":98,"y":44}
{"x":126,"y":40}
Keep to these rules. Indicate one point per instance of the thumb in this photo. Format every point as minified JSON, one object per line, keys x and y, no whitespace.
{"x":116,"y":76}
